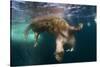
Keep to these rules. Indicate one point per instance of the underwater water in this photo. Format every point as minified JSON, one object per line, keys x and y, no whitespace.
{"x":23,"y":52}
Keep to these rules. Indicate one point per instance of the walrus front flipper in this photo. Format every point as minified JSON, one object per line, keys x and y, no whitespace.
{"x":26,"y":31}
{"x":76,"y":28}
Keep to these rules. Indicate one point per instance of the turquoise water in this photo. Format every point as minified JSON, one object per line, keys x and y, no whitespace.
{"x":17,"y":33}
{"x":23,"y":52}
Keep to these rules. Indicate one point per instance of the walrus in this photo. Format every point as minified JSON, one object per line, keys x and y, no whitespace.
{"x":63,"y":31}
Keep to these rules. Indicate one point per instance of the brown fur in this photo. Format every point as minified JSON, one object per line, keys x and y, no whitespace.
{"x":58,"y":26}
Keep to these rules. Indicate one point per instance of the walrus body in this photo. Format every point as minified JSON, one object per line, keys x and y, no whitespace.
{"x":63,"y":31}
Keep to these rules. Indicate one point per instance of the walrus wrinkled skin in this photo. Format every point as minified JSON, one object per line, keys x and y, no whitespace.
{"x":63,"y":31}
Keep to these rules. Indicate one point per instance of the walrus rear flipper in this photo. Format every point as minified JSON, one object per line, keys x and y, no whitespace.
{"x":26,"y":31}
{"x":76,"y":28}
